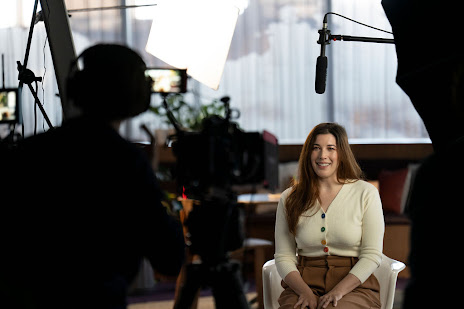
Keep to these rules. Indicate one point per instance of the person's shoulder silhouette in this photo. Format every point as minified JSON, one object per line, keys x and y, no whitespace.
{"x":94,"y":205}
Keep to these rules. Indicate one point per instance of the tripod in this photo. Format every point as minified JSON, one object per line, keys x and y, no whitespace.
{"x":215,"y":227}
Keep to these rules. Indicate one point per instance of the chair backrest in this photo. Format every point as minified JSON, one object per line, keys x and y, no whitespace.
{"x":386,"y":274}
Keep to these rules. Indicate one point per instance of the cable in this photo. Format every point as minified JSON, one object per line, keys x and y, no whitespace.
{"x":43,"y":77}
{"x":35,"y":109}
{"x":355,"y":21}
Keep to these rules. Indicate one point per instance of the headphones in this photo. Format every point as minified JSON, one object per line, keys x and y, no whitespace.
{"x":111,"y":83}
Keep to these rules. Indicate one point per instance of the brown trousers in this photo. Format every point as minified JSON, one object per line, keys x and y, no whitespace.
{"x":323,"y":273}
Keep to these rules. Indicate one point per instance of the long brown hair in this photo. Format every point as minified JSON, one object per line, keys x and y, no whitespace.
{"x":305,"y":190}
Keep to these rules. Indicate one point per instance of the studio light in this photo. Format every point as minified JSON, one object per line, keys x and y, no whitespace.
{"x":194,"y":35}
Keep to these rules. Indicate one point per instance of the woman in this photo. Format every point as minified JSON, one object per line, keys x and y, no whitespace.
{"x":333,"y":220}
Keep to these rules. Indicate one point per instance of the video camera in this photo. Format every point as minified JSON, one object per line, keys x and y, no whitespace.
{"x":222,"y":155}
{"x":210,"y":163}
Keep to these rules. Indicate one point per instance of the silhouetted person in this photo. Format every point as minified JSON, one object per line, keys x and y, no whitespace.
{"x":430,"y":71}
{"x":84,"y":204}
{"x":430,"y":63}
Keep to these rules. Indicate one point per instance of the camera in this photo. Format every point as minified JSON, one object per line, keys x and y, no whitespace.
{"x":210,"y":164}
{"x":167,"y":80}
{"x":223,"y":156}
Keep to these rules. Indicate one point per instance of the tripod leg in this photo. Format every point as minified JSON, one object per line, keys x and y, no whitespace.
{"x":190,"y":289}
{"x":228,"y":287}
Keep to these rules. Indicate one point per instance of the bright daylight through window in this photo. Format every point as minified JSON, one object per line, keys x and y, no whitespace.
{"x":268,"y":71}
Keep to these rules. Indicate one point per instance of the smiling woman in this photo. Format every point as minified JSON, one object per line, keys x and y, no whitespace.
{"x":333,"y":220}
{"x":324,"y":157}
{"x":315,"y":176}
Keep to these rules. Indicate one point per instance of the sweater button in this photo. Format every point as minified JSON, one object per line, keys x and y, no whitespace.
{"x":326,"y":249}
{"x":323,"y":242}
{"x":323,"y":216}
{"x":322,"y":229}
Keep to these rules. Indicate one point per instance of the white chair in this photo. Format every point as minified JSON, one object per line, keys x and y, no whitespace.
{"x":386,"y":274}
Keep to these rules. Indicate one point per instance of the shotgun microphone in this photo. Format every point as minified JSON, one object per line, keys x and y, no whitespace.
{"x":321,"y":74}
{"x":321,"y":64}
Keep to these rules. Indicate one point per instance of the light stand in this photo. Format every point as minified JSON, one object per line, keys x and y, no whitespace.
{"x":25,"y":75}
{"x":61,"y":47}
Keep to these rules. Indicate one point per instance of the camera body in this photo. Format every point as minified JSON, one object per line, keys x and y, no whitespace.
{"x":222,"y":155}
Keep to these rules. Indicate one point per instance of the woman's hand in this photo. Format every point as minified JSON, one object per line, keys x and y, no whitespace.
{"x":307,"y":299}
{"x":306,"y":296}
{"x":348,"y":284}
{"x":331,"y":297}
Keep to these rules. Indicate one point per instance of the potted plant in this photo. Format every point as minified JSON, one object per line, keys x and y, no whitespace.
{"x":188,"y":116}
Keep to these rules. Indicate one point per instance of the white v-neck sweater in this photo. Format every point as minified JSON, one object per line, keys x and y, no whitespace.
{"x":353,"y":226}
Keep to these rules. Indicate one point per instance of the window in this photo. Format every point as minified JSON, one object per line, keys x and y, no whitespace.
{"x":269,"y":74}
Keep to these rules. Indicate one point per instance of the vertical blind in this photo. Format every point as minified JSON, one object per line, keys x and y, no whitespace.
{"x":269,"y":74}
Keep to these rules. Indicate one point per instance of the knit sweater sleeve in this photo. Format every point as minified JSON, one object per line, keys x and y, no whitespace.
{"x":285,"y":245}
{"x":373,"y":227}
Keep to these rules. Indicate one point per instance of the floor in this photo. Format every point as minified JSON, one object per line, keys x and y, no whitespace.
{"x":205,"y":302}
{"x":161,"y":297}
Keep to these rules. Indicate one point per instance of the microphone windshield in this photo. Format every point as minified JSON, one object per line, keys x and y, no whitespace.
{"x":321,"y":74}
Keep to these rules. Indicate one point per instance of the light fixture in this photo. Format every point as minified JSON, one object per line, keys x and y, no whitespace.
{"x":194,"y":35}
